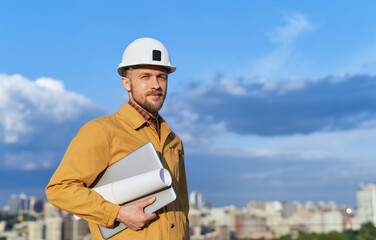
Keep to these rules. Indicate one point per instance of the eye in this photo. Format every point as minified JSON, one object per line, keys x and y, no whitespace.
{"x":162,"y":77}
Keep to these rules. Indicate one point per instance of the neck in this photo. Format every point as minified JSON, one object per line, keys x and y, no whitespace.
{"x":133,"y":103}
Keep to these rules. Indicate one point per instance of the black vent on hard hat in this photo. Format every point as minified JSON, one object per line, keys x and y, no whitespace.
{"x":157,"y":55}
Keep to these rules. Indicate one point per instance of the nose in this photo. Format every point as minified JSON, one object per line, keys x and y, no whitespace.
{"x":155,"y":83}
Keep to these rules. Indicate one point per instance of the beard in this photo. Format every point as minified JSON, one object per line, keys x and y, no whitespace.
{"x":152,"y":106}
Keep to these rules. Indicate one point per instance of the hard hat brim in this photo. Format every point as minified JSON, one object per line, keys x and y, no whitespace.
{"x":122,"y":68}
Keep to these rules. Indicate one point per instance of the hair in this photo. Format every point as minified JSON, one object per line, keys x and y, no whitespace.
{"x":127,"y":71}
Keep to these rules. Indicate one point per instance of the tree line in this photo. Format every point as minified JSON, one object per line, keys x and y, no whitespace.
{"x":366,"y":232}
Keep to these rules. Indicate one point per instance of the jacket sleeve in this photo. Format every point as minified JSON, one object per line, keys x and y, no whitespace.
{"x":86,"y":157}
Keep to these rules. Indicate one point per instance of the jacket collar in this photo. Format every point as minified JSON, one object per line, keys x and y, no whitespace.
{"x":137,"y":121}
{"x":134,"y":118}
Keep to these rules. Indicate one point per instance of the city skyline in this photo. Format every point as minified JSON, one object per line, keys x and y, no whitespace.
{"x":198,"y":199}
{"x":273,"y":100}
{"x":30,"y":217}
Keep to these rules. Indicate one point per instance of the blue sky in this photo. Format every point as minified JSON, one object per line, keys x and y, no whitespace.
{"x":274,"y":99}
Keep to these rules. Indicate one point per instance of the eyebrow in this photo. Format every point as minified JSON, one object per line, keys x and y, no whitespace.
{"x":148,"y":73}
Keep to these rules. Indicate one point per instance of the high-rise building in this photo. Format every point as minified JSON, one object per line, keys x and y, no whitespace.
{"x":74,"y":229}
{"x":195,"y":200}
{"x":14,"y":204}
{"x":273,"y":207}
{"x":240,"y":228}
{"x":309,"y":206}
{"x":50,"y":210}
{"x":315,"y":222}
{"x":3,"y":224}
{"x":36,"y":205}
{"x":54,"y":228}
{"x":18,"y":203}
{"x":288,"y":209}
{"x":366,"y":198}
{"x":332,"y":221}
{"x":35,"y":230}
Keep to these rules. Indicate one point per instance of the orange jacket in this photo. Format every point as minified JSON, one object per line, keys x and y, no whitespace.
{"x":99,"y":144}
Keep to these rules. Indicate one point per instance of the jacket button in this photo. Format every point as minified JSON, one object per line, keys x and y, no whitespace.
{"x":172,"y":226}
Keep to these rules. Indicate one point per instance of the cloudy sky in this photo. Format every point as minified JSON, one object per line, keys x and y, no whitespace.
{"x":274,"y":100}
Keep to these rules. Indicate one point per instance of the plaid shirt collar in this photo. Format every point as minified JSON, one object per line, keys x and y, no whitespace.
{"x":153,"y":119}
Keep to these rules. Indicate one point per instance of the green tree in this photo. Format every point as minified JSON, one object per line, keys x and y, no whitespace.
{"x":285,"y":238}
{"x":367,"y":232}
{"x":350,"y":235}
{"x":336,"y":236}
{"x":307,"y":236}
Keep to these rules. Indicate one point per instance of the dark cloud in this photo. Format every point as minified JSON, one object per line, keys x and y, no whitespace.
{"x":284,"y":108}
{"x":44,"y":146}
{"x":203,"y":112}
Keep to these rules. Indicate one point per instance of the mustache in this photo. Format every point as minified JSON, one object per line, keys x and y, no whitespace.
{"x":154,"y":92}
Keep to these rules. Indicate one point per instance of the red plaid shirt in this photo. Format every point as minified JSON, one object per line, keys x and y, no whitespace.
{"x":147,"y":116}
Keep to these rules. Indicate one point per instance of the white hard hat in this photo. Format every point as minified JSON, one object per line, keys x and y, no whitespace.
{"x":145,"y":51}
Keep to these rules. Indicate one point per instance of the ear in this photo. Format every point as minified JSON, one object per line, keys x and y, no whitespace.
{"x":126,"y":83}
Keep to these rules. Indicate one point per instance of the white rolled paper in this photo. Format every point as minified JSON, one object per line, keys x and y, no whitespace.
{"x":135,"y":187}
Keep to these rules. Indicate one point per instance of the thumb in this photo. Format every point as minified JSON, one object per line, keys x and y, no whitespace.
{"x":147,"y":202}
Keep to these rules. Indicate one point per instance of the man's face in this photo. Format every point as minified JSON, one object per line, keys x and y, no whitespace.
{"x":147,"y":86}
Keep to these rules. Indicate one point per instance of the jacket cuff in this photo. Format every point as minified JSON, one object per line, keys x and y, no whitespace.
{"x":110,"y":215}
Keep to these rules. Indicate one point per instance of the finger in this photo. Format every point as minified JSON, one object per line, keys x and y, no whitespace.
{"x":134,"y":228}
{"x":150,"y":216}
{"x":148,"y":201}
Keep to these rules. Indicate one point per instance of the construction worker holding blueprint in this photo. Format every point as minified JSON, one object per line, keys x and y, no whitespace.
{"x":101,"y":142}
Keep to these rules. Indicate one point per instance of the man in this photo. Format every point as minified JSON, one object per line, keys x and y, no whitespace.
{"x":101,"y":142}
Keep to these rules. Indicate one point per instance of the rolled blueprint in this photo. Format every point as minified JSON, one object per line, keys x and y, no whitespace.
{"x":129,"y":189}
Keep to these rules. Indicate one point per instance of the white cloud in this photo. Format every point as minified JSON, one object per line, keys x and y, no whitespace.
{"x":350,"y":145}
{"x":262,"y":175}
{"x":24,"y":102}
{"x":271,"y":65}
{"x":278,"y":87}
{"x":50,"y":84}
{"x":297,"y":24}
{"x":29,"y":160}
{"x":232,"y":87}
{"x":284,"y":61}
{"x":37,"y":121}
